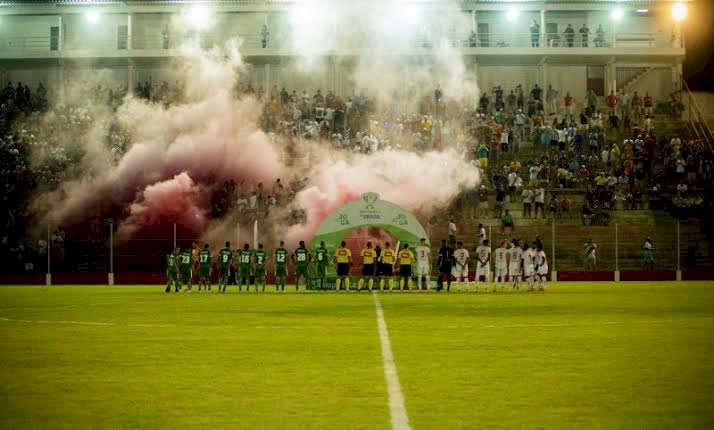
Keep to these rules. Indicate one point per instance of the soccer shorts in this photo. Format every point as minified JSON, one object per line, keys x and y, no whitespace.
{"x":321,"y":270}
{"x":223,"y":271}
{"x":368,"y":270}
{"x":459,"y":271}
{"x":205,"y":272}
{"x":543,"y":269}
{"x":281,"y":271}
{"x":483,"y":270}
{"x":500,"y":271}
{"x":405,"y":270}
{"x":528,"y":272}
{"x":260,"y":271}
{"x":301,"y":271}
{"x":171,"y":275}
{"x":343,"y":269}
{"x":423,"y":269}
{"x":387,"y":270}
{"x":513,"y":271}
{"x":186,"y":275}
{"x":244,"y":272}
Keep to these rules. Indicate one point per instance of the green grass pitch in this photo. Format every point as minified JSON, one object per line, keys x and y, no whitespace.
{"x":582,"y":355}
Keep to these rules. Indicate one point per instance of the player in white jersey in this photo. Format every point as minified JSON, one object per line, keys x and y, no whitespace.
{"x":423,"y":256}
{"x":461,"y":266}
{"x":541,"y":267}
{"x":514,"y":265}
{"x":527,"y":265}
{"x":500,"y":264}
{"x":483,"y":263}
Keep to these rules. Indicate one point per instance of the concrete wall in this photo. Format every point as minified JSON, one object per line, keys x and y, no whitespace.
{"x":82,"y":34}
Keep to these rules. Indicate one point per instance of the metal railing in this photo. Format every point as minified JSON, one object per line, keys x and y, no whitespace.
{"x":155,"y":40}
{"x":695,"y":119}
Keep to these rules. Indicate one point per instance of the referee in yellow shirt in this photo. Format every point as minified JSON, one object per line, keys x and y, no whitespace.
{"x":369,"y":256}
{"x":343,"y":259}
{"x":386,"y":259}
{"x":406,"y":258}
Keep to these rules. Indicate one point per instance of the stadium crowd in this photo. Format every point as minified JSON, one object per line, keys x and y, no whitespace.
{"x":535,"y":147}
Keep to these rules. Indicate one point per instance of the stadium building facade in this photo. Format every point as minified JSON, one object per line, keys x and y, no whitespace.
{"x":629,"y":45}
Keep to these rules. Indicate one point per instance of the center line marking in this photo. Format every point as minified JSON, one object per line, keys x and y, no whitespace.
{"x":397,"y":410}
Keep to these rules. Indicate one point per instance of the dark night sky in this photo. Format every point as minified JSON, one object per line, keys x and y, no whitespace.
{"x":698,"y":29}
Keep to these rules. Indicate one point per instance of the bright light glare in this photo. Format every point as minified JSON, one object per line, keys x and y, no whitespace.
{"x":198,"y":18}
{"x":411,"y":15}
{"x":92,"y":16}
{"x":679,"y":11}
{"x":512,"y":14}
{"x":642,"y":10}
{"x":617,"y":14}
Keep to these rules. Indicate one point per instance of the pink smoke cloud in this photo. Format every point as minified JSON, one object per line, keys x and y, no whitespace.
{"x":178,"y":199}
{"x":410,"y":180}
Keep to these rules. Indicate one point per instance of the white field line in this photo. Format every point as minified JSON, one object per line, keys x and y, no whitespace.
{"x":397,"y":410}
{"x":81,"y":322}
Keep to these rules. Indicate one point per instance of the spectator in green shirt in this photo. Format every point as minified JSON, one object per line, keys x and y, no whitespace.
{"x":507,"y":222}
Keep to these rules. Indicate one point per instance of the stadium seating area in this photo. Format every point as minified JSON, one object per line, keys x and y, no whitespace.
{"x":607,"y":165}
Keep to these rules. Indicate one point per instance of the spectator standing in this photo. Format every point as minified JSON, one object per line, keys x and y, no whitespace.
{"x":569,"y":35}
{"x":264,"y":35}
{"x":648,"y":103}
{"x":507,"y":223}
{"x":647,"y":255}
{"x":540,"y":202}
{"x":590,"y":255}
{"x":452,"y":230}
{"x":599,"y":36}
{"x":568,"y":106}
{"x":527,"y":198}
{"x":481,"y":234}
{"x":612,"y":102}
{"x":584,"y":33}
{"x":550,"y":97}
{"x":535,"y":34}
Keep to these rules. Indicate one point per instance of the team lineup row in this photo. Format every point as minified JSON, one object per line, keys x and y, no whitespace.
{"x":512,"y":264}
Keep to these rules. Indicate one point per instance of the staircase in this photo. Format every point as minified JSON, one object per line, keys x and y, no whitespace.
{"x":627,"y":77}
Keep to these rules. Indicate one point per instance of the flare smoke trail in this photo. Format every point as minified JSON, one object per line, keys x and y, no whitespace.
{"x":180,"y":155}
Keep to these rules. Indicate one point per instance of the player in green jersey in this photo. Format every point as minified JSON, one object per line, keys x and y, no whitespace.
{"x":186,"y":264}
{"x":204,"y":268}
{"x":244,"y":259}
{"x":225,"y":256}
{"x":259,"y":259}
{"x":172,"y":270}
{"x":322,"y":259}
{"x":281,"y":267}
{"x":301,"y":258}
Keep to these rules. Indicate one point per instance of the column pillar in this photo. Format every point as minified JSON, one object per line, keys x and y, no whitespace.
{"x":130,"y":77}
{"x":60,"y":35}
{"x":611,"y":76}
{"x":543,"y":36}
{"x":473,"y":20}
{"x":677,"y":77}
{"x":129,"y":31}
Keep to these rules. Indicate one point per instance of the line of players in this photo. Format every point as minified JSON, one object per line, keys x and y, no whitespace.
{"x":516,"y":263}
{"x":513,"y":263}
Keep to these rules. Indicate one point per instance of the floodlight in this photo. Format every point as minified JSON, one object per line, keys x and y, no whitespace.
{"x":92,"y":16}
{"x":679,"y":11}
{"x":198,"y":17}
{"x":617,"y":14}
{"x":512,"y":14}
{"x":411,"y":15}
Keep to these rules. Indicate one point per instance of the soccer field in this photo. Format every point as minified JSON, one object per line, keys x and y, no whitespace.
{"x":633,"y":355}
